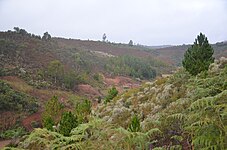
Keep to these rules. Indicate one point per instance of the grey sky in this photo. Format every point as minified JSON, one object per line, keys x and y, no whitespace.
{"x":150,"y":22}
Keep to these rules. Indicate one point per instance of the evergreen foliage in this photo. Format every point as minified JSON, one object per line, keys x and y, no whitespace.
{"x":52,"y":113}
{"x":67,"y":123}
{"x":46,"y":36}
{"x":111,"y":94}
{"x":48,"y":123}
{"x":130,"y":43}
{"x":11,"y":100}
{"x":104,"y":37}
{"x":134,"y":126}
{"x":199,"y":56}
{"x":13,"y":133}
{"x":194,"y":119}
{"x":133,"y":66}
{"x":56,"y":71}
{"x":83,"y":110}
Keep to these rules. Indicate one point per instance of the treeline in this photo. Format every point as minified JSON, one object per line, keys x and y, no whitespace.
{"x":131,"y":66}
{"x":23,"y":32}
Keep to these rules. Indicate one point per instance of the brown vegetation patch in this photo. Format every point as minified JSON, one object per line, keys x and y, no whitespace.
{"x":7,"y":120}
{"x":88,"y":90}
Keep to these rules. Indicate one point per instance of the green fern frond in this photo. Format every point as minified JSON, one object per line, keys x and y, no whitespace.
{"x":178,"y":116}
{"x":153,"y":132}
{"x":123,"y":131}
{"x":213,"y":147}
{"x":202,"y":141}
{"x":159,"y":148}
{"x":176,"y":147}
{"x":203,"y":122}
{"x":75,"y":146}
{"x":177,"y":137}
{"x":80,"y":130}
{"x":202,"y":103}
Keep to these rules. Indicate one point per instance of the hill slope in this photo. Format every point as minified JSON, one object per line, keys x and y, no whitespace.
{"x":179,"y":112}
{"x":174,"y":54}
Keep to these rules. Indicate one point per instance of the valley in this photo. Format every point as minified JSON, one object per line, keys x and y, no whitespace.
{"x":123,"y":96}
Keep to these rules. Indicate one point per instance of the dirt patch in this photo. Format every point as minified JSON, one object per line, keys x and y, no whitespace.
{"x":27,"y":122}
{"x":4,"y":143}
{"x":118,"y":80}
{"x":88,"y":90}
{"x":121,"y":82}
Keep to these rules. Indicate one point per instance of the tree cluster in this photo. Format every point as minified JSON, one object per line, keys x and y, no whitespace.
{"x":25,"y":33}
{"x":46,"y":36}
{"x":54,"y":118}
{"x":59,"y":76}
{"x":131,"y":66}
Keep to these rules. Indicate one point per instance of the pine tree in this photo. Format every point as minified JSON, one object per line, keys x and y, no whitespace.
{"x":130,"y":43}
{"x":52,"y":112}
{"x":82,"y":111}
{"x":48,"y":123}
{"x":111,"y":94}
{"x":67,"y":123}
{"x":199,"y":56}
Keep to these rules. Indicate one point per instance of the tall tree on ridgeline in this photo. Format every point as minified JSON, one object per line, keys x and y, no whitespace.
{"x":104,"y":37}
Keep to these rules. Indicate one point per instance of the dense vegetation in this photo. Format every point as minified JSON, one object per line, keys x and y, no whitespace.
{"x":50,"y":63}
{"x":179,"y":112}
{"x":12,"y":105}
{"x":11,"y":100}
{"x":111,"y":94}
{"x":52,"y":113}
{"x":132,"y":66}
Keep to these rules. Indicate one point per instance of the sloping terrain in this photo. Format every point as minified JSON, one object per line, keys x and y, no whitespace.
{"x":33,"y":70}
{"x":175,"y":54}
{"x":110,"y":48}
{"x":177,"y":112}
{"x":42,"y":68}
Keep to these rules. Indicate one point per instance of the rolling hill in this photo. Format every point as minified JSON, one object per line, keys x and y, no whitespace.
{"x":34,"y":69}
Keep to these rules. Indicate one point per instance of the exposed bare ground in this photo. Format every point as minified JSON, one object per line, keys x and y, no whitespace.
{"x":4,"y":143}
{"x":120,"y":82}
{"x":28,"y":121}
{"x":88,"y":90}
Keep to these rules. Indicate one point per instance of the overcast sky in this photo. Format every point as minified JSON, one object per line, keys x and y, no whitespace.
{"x":150,"y":22}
